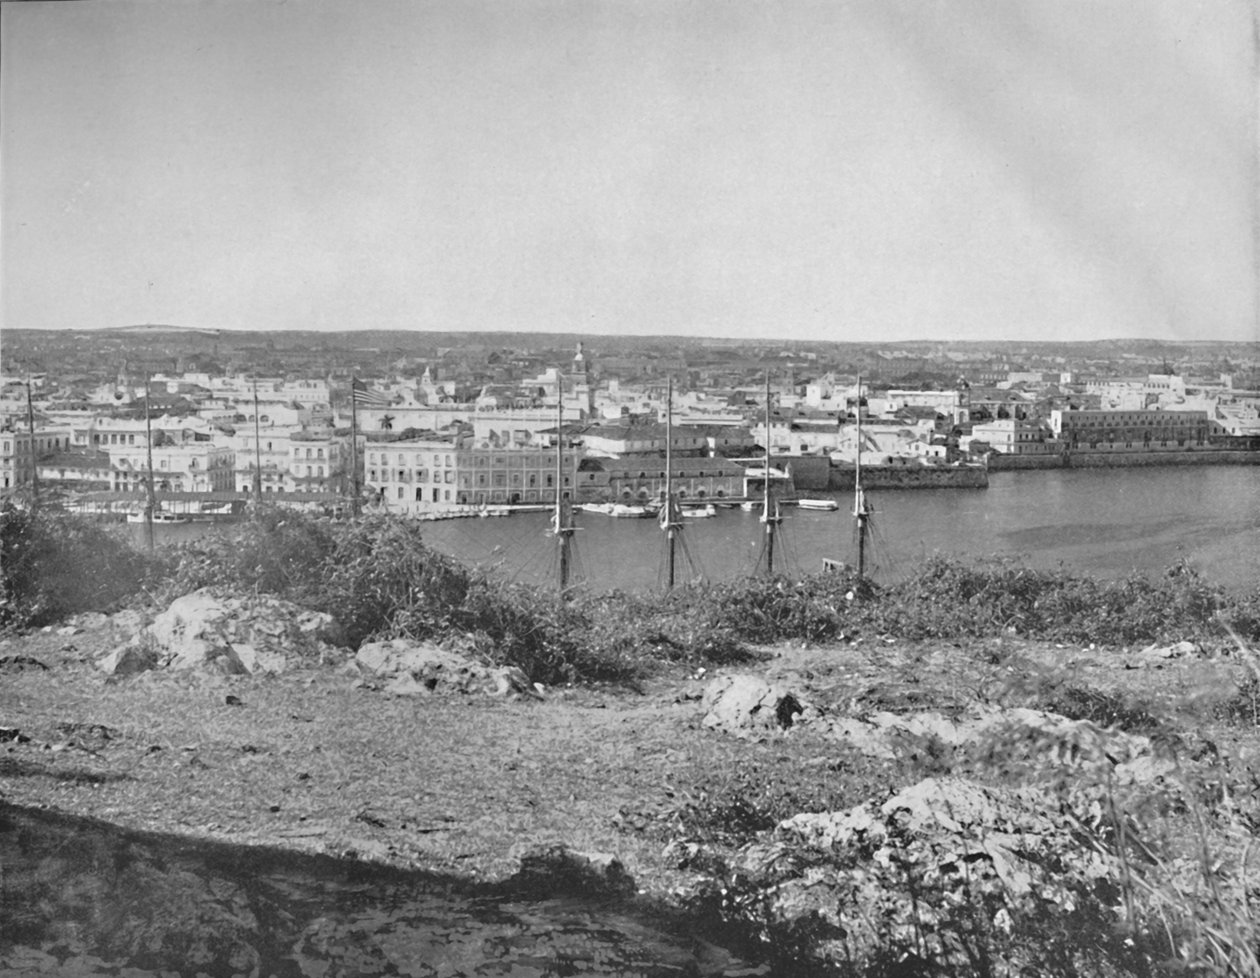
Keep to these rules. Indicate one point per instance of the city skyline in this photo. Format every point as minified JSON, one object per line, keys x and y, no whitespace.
{"x":862,"y":172}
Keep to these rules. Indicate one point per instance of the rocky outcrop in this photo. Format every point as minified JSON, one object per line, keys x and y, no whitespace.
{"x":1018,"y":733}
{"x":408,"y":668}
{"x":226,"y":633}
{"x":982,"y":862}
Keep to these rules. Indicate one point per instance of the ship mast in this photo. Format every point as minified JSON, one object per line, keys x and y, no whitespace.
{"x":860,"y":511}
{"x":563,"y":527}
{"x":670,"y":521}
{"x":770,"y":518}
{"x":151,"y":504}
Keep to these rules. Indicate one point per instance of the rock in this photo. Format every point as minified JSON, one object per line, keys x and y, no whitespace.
{"x":1020,"y":732}
{"x":1155,"y":653}
{"x":69,"y":630}
{"x":91,"y":620}
{"x":408,"y":685}
{"x":958,"y":845}
{"x":414,"y":665}
{"x":128,"y":659}
{"x":127,"y":620}
{"x":259,"y":660}
{"x":200,"y":654}
{"x":365,"y":850}
{"x":512,"y":681}
{"x":745,"y":704}
{"x":239,"y":633}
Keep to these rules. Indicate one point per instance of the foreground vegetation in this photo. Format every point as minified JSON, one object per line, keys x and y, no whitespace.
{"x":379,"y":579}
{"x":1152,"y":873}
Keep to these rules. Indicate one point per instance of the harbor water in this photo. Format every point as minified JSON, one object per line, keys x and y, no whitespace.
{"x":1102,"y":522}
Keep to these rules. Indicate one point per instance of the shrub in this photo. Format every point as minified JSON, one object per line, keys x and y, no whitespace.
{"x":54,"y":564}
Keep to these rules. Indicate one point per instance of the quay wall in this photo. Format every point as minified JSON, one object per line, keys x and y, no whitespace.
{"x":909,"y":477}
{"x":1118,"y":460}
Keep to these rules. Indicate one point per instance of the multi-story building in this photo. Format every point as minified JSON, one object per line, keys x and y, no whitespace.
{"x":18,"y":460}
{"x":320,"y":460}
{"x":1102,"y":430}
{"x":193,"y":466}
{"x":639,"y":479}
{"x":1012,"y":436}
{"x":422,"y":476}
{"x":77,"y":471}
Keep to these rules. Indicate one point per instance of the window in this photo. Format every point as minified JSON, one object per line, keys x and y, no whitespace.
{"x":400,"y":492}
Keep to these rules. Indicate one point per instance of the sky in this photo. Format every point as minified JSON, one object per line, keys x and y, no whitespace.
{"x":849,"y":170}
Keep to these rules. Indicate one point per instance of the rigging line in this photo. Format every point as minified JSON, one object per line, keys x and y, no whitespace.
{"x":697,"y":568}
{"x":527,"y":558}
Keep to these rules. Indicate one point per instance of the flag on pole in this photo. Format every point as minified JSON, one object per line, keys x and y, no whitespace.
{"x":366,"y":397}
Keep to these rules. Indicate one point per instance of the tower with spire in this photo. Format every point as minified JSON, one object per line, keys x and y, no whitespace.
{"x":583,"y":389}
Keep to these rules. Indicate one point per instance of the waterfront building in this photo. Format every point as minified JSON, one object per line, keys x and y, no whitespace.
{"x":431,"y":475}
{"x":18,"y":462}
{"x":320,"y":461}
{"x":76,"y":471}
{"x":1014,"y":436}
{"x":192,"y":466}
{"x":1148,"y":430}
{"x":640,"y":478}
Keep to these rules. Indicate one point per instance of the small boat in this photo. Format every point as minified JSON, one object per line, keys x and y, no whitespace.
{"x":748,"y":505}
{"x":700,"y":512}
{"x":826,"y":505}
{"x":624,"y":511}
{"x":159,"y":516}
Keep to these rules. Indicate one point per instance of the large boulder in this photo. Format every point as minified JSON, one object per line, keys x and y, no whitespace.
{"x":238,"y":634}
{"x":409,"y":668}
{"x":748,"y":706}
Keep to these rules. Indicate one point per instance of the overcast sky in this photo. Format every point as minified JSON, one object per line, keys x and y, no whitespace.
{"x":840,"y":169}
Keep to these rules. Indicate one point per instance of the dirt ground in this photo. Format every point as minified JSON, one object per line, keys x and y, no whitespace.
{"x":467,"y":784}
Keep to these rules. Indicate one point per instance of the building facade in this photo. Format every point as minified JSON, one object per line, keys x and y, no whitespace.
{"x":1102,"y":430}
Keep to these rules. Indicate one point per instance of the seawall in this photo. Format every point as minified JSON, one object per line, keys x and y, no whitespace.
{"x":909,"y":477}
{"x":1119,"y":460}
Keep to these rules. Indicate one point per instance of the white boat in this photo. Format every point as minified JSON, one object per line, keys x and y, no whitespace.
{"x":748,"y":505}
{"x":159,"y":516}
{"x":700,"y":512}
{"x":624,"y":511}
{"x":827,"y":505}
